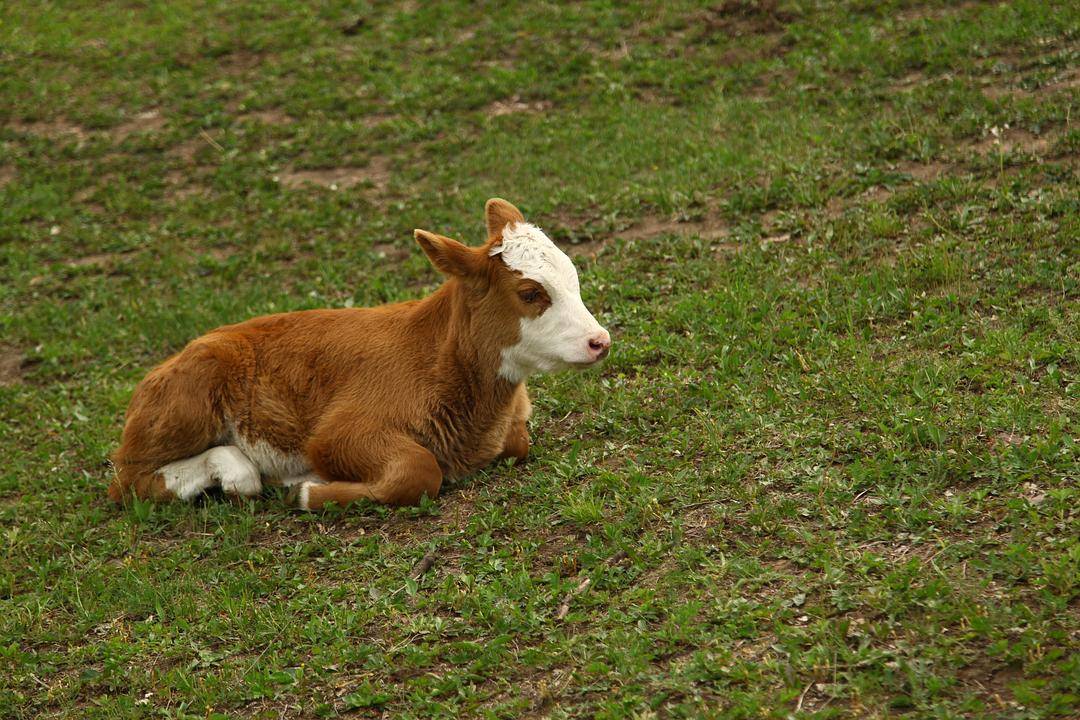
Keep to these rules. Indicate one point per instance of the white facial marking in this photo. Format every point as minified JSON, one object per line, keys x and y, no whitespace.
{"x":560,"y":336}
{"x":226,"y":466}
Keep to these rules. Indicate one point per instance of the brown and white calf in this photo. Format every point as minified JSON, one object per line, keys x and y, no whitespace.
{"x":378,"y":403}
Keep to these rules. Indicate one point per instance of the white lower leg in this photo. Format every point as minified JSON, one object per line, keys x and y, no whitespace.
{"x":224,"y":465}
{"x":301,"y":486}
{"x":188,"y":477}
{"x":232,"y":468}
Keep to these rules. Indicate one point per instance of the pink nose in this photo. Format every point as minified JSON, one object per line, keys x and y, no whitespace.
{"x":599,"y":345}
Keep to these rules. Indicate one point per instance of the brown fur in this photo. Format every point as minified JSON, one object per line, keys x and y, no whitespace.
{"x":383,"y":403}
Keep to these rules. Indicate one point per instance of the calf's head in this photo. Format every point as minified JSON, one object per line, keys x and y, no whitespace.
{"x":523,"y":292}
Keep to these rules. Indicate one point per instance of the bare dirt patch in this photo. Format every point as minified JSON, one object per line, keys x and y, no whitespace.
{"x":746,"y":17}
{"x":7,"y":174}
{"x":708,"y":229}
{"x":591,"y":244}
{"x":1012,"y":140}
{"x":908,"y":83}
{"x":376,"y":173}
{"x":934,"y":11}
{"x":837,"y":205}
{"x":876,"y":194}
{"x":390,"y":251}
{"x":994,"y":680}
{"x":273,"y":117}
{"x":190,"y":148}
{"x":997,"y":91}
{"x":144,"y":122}
{"x":1070,"y":81}
{"x":1006,"y":439}
{"x":719,"y":24}
{"x":96,"y":260}
{"x":516,"y":105}
{"x":238,"y":63}
{"x":923,"y":172}
{"x":588,"y":248}
{"x":998,"y":88}
{"x":84,"y":196}
{"x":11,"y":366}
{"x":178,"y":185}
{"x":375,"y":119}
{"x":53,"y":129}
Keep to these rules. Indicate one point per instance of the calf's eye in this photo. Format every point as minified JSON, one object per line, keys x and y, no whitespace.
{"x":529,"y":296}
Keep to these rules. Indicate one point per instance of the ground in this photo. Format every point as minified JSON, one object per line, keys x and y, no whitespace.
{"x":830,"y":469}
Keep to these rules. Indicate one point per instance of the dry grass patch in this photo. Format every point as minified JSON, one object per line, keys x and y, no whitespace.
{"x":516,"y":105}
{"x":96,"y":260}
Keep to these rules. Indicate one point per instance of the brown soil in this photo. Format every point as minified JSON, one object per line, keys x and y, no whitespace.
{"x":239,"y":63}
{"x":267,"y":117}
{"x":923,"y":172}
{"x":377,"y":173}
{"x":1013,"y":140}
{"x":746,"y":17}
{"x":993,"y":679}
{"x":934,"y":11}
{"x":188,"y":149}
{"x":50,"y":128}
{"x":390,"y":251}
{"x":144,"y":122}
{"x":179,"y":185}
{"x":709,"y":229}
{"x":908,"y":82}
{"x":375,"y":119}
{"x":589,"y":248}
{"x":1070,"y":81}
{"x":11,"y":366}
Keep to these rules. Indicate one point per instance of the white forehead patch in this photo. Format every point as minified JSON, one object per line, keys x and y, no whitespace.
{"x":528,"y":250}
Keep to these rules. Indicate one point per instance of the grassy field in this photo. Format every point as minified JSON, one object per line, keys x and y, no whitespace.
{"x":829,"y":471}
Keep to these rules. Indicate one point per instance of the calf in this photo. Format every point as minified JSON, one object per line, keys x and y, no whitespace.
{"x":378,"y":403}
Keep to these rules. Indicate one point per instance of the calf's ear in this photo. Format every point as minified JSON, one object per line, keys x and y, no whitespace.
{"x":449,"y":256}
{"x":498,"y":213}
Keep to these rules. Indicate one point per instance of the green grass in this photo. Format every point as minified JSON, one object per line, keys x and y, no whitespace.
{"x":830,"y":469}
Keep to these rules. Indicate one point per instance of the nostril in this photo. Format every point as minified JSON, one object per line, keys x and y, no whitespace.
{"x":600,"y":345}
